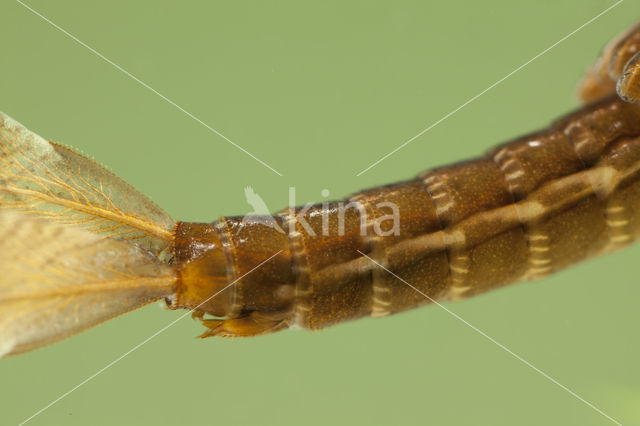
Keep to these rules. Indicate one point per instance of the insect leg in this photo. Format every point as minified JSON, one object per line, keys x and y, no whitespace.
{"x":614,"y":64}
{"x":254,"y":324}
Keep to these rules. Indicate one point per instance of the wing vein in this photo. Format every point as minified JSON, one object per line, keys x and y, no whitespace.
{"x":131,"y":221}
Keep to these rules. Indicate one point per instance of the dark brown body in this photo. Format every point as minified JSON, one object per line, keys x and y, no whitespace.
{"x":80,"y":246}
{"x":525,"y":209}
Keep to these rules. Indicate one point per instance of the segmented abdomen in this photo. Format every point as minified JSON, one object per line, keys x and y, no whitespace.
{"x":524,"y":210}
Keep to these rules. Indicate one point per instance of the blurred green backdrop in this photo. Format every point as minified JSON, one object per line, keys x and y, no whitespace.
{"x":319,"y":90}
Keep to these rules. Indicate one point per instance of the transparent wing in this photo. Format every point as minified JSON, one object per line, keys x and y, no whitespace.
{"x":56,"y":281}
{"x":45,"y":179}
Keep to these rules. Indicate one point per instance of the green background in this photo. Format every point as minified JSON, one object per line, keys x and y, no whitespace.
{"x":319,"y":90}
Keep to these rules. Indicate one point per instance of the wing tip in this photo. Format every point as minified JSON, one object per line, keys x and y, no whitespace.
{"x":14,"y":126}
{"x":6,"y":346}
{"x":6,"y":121}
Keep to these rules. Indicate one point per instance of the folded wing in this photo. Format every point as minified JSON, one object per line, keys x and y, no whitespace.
{"x":44,"y":179}
{"x":57,"y":280}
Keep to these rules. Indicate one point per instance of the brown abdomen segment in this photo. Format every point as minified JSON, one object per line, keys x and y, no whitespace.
{"x":524,"y":210}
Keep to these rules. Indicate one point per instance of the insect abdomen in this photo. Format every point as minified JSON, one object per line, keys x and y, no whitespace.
{"x":524,"y":210}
